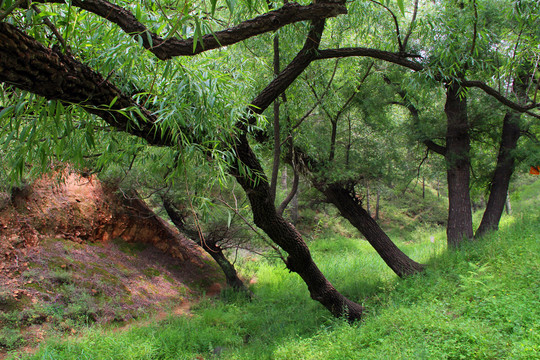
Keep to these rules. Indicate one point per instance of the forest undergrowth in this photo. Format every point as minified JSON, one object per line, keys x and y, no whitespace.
{"x":481,"y":302}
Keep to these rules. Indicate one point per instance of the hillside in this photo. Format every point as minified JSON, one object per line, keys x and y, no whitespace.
{"x":481,"y":302}
{"x":76,"y":252}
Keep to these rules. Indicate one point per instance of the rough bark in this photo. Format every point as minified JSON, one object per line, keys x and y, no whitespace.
{"x":458,"y":164}
{"x":210,"y":245}
{"x":503,"y":173}
{"x":350,"y":208}
{"x":28,"y":65}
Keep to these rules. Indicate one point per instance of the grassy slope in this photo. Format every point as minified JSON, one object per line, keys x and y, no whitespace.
{"x":482,"y":302}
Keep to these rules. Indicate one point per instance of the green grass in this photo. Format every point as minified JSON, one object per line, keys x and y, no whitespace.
{"x":481,"y":302}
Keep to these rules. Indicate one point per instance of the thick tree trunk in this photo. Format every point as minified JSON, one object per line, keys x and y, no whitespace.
{"x":284,"y":234}
{"x":349,"y":207}
{"x":458,"y":163}
{"x":503,"y":173}
{"x":210,"y":246}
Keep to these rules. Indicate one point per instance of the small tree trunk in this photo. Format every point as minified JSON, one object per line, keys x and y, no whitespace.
{"x":508,"y":205}
{"x":349,"y":207}
{"x":501,"y":177}
{"x":368,"y":207}
{"x":378,"y":204}
{"x":210,"y":246}
{"x":294,"y":207}
{"x":457,"y":163}
{"x":277,"y":130}
{"x":423,"y":187}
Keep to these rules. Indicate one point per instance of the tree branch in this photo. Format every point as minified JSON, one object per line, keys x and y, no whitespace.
{"x":28,"y":65}
{"x":398,"y":59}
{"x":395,"y":58}
{"x":168,"y":48}
{"x":396,"y":24}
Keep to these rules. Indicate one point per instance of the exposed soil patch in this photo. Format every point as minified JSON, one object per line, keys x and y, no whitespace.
{"x":75,"y":252}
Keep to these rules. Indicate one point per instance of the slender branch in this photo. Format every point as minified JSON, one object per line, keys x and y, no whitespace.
{"x":53,"y":28}
{"x":263,"y":238}
{"x":415,"y":113}
{"x":168,"y":48}
{"x":402,"y":61}
{"x":392,"y":57}
{"x":281,"y":208}
{"x":501,"y":98}
{"x":319,"y":101}
{"x":10,"y":9}
{"x":396,"y":24}
{"x":411,"y":25}
{"x":475,"y":27}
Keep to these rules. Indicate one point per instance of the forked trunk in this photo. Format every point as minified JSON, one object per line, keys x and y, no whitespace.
{"x":458,"y":163}
{"x":503,"y":173}
{"x":352,"y":210}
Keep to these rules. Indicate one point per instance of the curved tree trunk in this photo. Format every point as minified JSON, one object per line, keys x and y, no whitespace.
{"x":457,"y":163}
{"x":350,"y":208}
{"x":503,"y":173}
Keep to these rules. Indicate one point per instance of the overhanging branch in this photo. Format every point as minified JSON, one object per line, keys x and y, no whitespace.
{"x":169,"y":48}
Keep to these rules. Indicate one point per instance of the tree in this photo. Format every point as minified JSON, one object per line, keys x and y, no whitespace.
{"x":53,"y":75}
{"x":182,"y":118}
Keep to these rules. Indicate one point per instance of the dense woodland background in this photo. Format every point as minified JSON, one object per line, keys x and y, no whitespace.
{"x":274,"y":133}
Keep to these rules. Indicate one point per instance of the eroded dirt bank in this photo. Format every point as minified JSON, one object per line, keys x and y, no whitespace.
{"x":74,"y":252}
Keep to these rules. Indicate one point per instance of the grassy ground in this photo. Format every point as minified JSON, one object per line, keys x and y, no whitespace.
{"x":482,"y":302}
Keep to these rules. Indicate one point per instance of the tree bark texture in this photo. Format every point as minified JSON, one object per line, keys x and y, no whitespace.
{"x":458,"y":164}
{"x":28,"y":65}
{"x":350,"y":208}
{"x":501,"y":177}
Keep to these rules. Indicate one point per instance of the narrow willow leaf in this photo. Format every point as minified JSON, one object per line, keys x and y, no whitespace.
{"x":401,"y":6}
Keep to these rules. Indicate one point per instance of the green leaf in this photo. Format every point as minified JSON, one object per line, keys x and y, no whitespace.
{"x":401,"y":6}
{"x":213,"y":3}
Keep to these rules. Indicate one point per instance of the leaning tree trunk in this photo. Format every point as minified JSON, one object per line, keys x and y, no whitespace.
{"x":503,"y":172}
{"x":458,"y":163}
{"x":210,"y":245}
{"x":352,"y":210}
{"x":284,"y":234}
